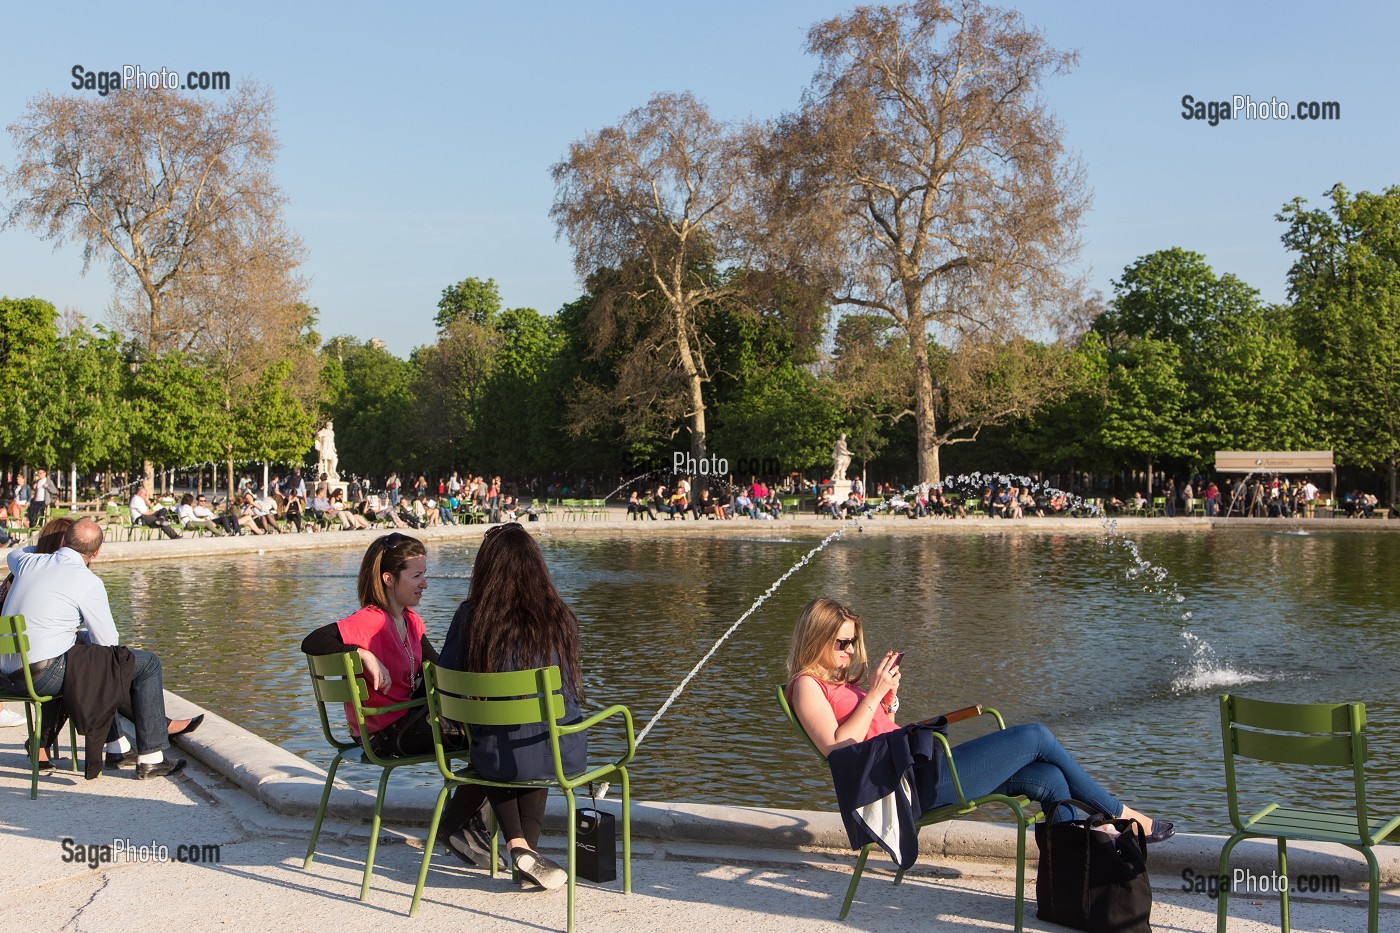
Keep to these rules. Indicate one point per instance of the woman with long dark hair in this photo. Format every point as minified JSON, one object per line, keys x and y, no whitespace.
{"x":514,"y":619}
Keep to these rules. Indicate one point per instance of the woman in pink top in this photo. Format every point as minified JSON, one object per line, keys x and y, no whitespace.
{"x":826,"y":664}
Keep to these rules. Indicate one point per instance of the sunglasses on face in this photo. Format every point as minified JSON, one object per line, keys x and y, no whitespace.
{"x":844,"y":644}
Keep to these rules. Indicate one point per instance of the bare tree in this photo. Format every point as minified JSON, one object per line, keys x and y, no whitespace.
{"x":924,"y":170}
{"x":171,"y":187}
{"x":657,"y":203}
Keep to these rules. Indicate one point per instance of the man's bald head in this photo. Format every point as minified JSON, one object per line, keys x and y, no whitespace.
{"x":85,"y":537}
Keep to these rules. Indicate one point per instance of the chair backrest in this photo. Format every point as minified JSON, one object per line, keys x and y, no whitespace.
{"x":509,"y":698}
{"x":792,"y":720}
{"x":335,"y":678}
{"x":15,"y":640}
{"x":1330,"y":735}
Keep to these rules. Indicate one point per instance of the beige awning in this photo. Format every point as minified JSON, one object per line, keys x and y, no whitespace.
{"x":1274,"y":461}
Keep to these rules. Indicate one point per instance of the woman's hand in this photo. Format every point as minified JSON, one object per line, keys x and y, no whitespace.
{"x":884,"y":682}
{"x":376,"y":674}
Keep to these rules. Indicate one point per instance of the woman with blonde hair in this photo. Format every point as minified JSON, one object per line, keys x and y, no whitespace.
{"x":826,"y":664}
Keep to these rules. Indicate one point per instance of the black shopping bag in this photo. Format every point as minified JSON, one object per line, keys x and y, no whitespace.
{"x":595,"y":845}
{"x":1091,"y":879}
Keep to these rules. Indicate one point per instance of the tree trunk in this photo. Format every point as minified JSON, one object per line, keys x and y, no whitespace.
{"x":925,"y":417}
{"x":1149,"y":481}
{"x":73,"y":485}
{"x":1393,"y":499}
{"x":695,"y":385}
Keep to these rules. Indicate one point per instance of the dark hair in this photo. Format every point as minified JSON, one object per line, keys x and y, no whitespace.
{"x":187,"y":498}
{"x":386,"y":554}
{"x":52,"y":534}
{"x":518,"y":618}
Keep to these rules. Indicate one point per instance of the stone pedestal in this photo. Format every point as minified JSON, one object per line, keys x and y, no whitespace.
{"x":840,"y":491}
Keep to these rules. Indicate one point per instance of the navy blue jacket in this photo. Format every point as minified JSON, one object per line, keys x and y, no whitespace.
{"x":884,"y":784}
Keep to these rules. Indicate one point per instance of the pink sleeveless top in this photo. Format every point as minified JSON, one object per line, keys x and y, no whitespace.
{"x":844,"y":698}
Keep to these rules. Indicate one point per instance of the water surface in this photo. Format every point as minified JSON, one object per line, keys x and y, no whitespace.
{"x":1042,"y":625}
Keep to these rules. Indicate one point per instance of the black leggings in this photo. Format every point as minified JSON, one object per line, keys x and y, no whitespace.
{"x":519,"y":811}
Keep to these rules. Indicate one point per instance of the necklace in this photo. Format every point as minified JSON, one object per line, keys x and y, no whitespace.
{"x":403,"y":640}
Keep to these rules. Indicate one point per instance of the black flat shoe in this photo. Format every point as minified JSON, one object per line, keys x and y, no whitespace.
{"x":125,"y":759}
{"x":190,"y":726}
{"x":1162,"y":830}
{"x":159,"y":769}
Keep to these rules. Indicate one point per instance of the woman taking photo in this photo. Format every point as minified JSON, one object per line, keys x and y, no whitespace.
{"x":826,"y":664}
{"x":514,"y":619}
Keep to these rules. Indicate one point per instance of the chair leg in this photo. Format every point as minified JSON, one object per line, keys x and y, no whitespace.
{"x":1283,"y":873}
{"x":626,"y":834}
{"x":33,"y":750}
{"x":321,"y":812}
{"x":1222,"y":901}
{"x":855,"y":880}
{"x":571,"y":835}
{"x":374,"y":832}
{"x":1373,"y":899}
{"x":1020,"y":868}
{"x":428,"y":845}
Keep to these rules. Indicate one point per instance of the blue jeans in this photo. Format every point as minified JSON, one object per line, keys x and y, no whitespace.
{"x":147,"y":697}
{"x":1025,"y":759}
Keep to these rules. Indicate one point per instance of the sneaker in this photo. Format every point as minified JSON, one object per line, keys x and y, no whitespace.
{"x":9,"y":718}
{"x":472,"y":845}
{"x":533,"y":868}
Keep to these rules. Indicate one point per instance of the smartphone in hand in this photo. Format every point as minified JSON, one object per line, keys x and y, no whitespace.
{"x":898,"y":657}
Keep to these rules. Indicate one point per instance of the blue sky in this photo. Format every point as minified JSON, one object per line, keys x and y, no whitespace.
{"x":417,"y":145}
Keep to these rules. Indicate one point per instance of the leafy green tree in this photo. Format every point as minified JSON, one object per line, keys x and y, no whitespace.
{"x":1245,"y":385}
{"x":373,"y":410}
{"x":89,"y":397}
{"x":470,"y":299}
{"x":28,"y":338}
{"x":271,"y":423}
{"x":1143,"y":416}
{"x":174,"y":401}
{"x":784,"y":414}
{"x":1345,"y":286}
{"x":517,"y":426}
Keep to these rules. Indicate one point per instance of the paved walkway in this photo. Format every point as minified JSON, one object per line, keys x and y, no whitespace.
{"x":757,"y":878}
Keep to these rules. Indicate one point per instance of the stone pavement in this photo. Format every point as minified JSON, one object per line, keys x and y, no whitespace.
{"x":694,"y":868}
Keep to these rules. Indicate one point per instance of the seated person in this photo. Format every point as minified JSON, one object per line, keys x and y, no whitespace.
{"x":678,"y":504}
{"x":826,"y":663}
{"x":377,"y":509}
{"x":510,"y":507}
{"x":1139,"y":501}
{"x":774,"y":503}
{"x":743,"y":505}
{"x":190,"y":519}
{"x":826,"y":506}
{"x":349,"y":519}
{"x":635,"y":509}
{"x":57,"y":594}
{"x":143,"y":514}
{"x":252,"y":515}
{"x":318,"y":508}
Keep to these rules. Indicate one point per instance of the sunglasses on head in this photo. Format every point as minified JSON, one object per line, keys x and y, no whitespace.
{"x":844,"y":644}
{"x":495,"y":528}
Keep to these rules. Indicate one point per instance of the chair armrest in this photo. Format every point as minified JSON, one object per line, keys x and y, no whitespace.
{"x":394,"y":708}
{"x":599,"y":717}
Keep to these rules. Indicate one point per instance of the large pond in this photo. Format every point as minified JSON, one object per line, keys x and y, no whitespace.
{"x":1043,"y":625}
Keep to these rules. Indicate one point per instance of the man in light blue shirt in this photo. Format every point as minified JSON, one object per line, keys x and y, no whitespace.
{"x":57,"y":594}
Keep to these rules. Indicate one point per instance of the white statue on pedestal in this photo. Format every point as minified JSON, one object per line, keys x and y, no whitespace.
{"x":325,"y":450}
{"x":840,"y":460}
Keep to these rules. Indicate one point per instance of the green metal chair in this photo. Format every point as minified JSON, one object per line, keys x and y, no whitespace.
{"x":1323,"y":735}
{"x":964,"y":806}
{"x":335,"y":679}
{"x":14,"y":640}
{"x":511,"y":699}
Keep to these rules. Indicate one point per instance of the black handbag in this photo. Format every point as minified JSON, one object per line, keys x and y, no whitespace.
{"x":1090,"y":879}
